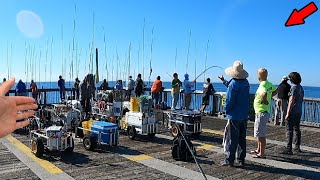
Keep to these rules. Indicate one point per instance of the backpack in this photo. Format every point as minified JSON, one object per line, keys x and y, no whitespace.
{"x":180,"y":151}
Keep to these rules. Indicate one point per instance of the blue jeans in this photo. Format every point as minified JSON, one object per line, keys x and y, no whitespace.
{"x":175,"y":99}
{"x":237,"y":138}
{"x":62,"y":94}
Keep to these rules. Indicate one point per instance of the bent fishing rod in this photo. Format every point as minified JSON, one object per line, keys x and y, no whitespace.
{"x":207,"y":70}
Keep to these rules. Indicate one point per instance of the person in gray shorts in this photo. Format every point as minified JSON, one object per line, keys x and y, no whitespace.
{"x":260,"y":125}
{"x":262,"y":107}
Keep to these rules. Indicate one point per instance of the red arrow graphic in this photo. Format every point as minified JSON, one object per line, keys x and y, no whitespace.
{"x":297,"y":17}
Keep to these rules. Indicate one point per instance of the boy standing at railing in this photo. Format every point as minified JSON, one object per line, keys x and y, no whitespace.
{"x":294,"y":113}
{"x":262,"y":107}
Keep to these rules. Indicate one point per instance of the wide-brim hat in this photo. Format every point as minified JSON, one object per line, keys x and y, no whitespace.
{"x":237,"y":71}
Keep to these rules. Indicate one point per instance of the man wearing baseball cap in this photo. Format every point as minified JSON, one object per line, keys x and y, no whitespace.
{"x":283,"y":99}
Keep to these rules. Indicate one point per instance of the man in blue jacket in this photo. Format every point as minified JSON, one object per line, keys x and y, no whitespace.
{"x":237,"y":110}
{"x":187,"y":87}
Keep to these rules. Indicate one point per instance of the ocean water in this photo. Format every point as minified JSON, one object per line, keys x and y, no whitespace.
{"x":310,"y":92}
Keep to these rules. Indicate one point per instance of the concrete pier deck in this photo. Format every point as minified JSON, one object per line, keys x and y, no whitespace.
{"x":151,"y":159}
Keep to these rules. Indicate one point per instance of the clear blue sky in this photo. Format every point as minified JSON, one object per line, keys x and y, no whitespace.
{"x":252,"y":31}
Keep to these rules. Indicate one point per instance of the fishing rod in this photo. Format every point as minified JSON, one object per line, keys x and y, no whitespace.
{"x":169,"y":75}
{"x":188,"y":52}
{"x":207,"y":70}
{"x":105,"y":52}
{"x":130,"y":47}
{"x":138,"y":60}
{"x":25,"y":61}
{"x":205,"y":62}
{"x":151,"y":51}
{"x":46,"y":62}
{"x":175,"y":60}
{"x":144,"y":25}
{"x":195,"y":73}
{"x":8,"y":68}
{"x":62,"y":61}
{"x":51,"y":62}
{"x":191,"y":151}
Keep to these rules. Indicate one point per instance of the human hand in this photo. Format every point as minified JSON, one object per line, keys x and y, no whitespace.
{"x":221,"y":78}
{"x":11,"y":110}
{"x":287,"y":117}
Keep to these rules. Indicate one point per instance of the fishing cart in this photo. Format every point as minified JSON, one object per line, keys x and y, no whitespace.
{"x":53,"y":138}
{"x":189,"y":122}
{"x":140,"y":120}
{"x":98,"y":133}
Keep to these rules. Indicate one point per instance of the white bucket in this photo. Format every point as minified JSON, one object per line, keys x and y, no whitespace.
{"x":117,"y":108}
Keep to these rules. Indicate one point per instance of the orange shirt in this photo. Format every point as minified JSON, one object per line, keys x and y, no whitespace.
{"x":157,"y":85}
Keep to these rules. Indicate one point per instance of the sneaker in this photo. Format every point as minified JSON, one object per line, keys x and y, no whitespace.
{"x":287,"y":152}
{"x":297,"y":149}
{"x":226,"y":163}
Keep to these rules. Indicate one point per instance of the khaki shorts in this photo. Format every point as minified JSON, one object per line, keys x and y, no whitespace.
{"x":260,"y":124}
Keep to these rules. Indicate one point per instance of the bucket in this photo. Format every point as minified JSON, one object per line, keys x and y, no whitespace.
{"x":134,"y":104}
{"x":124,"y":123}
{"x":117,"y":108}
{"x":87,"y":125}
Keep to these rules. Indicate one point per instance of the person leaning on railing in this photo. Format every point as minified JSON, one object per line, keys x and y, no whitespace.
{"x":282,"y":101}
{"x":14,"y":108}
{"x":208,"y":90}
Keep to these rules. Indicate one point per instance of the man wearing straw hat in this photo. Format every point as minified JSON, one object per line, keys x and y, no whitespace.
{"x":237,"y":110}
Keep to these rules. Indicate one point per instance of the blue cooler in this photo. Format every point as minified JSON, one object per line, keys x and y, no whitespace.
{"x":109,"y":130}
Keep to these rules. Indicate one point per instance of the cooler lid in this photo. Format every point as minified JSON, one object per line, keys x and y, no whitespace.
{"x":103,"y":124}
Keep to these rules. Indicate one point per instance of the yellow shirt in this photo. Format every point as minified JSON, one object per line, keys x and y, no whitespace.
{"x":264,"y":87}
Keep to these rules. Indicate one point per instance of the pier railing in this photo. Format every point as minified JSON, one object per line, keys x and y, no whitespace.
{"x":310,"y":112}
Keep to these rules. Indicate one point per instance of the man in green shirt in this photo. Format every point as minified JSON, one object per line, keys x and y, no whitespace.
{"x":176,"y":84}
{"x":262,"y":107}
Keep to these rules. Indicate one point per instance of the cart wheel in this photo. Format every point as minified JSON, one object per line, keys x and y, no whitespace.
{"x":196,"y":134}
{"x":131,"y":131}
{"x":174,"y":131}
{"x":89,"y":143}
{"x":151,"y":135}
{"x":70,"y":148}
{"x":37,"y":147}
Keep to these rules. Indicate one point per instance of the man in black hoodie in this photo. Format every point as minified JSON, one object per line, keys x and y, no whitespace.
{"x":139,"y":86}
{"x":283,"y":98}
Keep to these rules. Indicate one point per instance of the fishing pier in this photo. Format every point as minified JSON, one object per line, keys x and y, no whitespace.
{"x":144,"y":159}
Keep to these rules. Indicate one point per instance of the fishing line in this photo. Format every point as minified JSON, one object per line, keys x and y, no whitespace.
{"x":207,"y":70}
{"x":194,"y":157}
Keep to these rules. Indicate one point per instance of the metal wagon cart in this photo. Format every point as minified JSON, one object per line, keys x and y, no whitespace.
{"x":53,"y":138}
{"x":138,"y":123}
{"x":188,"y":122}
